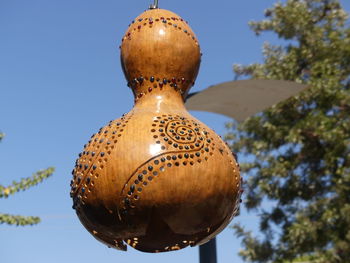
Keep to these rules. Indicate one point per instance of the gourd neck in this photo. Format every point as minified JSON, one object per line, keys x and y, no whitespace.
{"x":161,"y":101}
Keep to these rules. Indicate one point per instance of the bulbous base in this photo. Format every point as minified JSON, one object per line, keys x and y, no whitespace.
{"x":157,"y":182}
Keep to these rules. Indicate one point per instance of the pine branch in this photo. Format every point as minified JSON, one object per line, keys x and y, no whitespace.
{"x":25,"y":183}
{"x":18,"y":220}
{"x":15,"y":187}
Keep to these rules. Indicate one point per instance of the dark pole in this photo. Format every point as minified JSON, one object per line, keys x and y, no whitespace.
{"x":207,"y":252}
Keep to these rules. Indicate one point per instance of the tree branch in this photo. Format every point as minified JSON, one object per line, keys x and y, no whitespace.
{"x":18,"y":220}
{"x":25,"y":183}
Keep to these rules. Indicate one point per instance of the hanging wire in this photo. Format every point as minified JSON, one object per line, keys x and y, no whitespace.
{"x":155,"y":5}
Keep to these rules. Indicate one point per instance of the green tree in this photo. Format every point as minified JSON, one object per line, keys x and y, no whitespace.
{"x":298,"y":151}
{"x":22,"y":185}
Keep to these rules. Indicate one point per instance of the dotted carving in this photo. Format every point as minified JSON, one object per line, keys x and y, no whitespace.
{"x":182,"y":141}
{"x":93,"y":158}
{"x":176,"y":23}
{"x":225,"y":149}
{"x":144,"y":85}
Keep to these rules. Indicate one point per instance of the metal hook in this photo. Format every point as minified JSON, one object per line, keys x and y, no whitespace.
{"x":155,"y":5}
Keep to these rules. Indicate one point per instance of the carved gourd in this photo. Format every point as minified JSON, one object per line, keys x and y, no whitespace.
{"x":157,"y":178}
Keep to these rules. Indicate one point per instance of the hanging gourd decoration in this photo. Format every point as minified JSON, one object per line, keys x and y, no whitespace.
{"x":156,"y":179}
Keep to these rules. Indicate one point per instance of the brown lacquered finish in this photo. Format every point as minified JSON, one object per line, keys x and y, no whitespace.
{"x":157,"y":178}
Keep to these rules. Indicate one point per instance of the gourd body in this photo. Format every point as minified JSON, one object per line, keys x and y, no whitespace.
{"x":156,"y":179}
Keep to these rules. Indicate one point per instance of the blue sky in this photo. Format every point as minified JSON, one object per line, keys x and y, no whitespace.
{"x":61,"y":80}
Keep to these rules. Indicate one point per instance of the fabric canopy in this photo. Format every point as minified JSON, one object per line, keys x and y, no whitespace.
{"x":243,"y":98}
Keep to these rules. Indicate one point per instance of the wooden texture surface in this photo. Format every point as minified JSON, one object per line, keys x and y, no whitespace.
{"x":157,"y":178}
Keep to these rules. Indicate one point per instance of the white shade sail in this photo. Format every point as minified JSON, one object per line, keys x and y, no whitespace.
{"x":243,"y":98}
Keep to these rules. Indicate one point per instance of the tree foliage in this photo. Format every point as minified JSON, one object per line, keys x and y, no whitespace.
{"x":22,"y":185}
{"x":298,"y":151}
